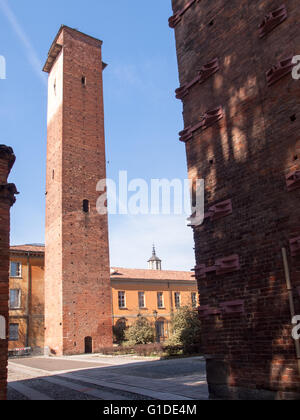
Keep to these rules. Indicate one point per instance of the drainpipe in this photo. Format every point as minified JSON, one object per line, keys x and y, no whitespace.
{"x":28,"y":298}
{"x":291,"y":299}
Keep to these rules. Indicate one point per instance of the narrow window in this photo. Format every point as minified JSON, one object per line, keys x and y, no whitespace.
{"x":83,"y":81}
{"x":14,"y":299}
{"x":86,"y":206}
{"x":177,"y":300}
{"x":15,"y":269}
{"x":122,"y":301}
{"x":160,"y":300}
{"x":13,"y":332}
{"x":142,"y":304}
{"x":2,"y":328}
{"x":194,"y":300}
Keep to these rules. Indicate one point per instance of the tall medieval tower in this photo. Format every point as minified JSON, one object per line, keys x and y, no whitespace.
{"x":241,"y":113}
{"x":78,"y":315}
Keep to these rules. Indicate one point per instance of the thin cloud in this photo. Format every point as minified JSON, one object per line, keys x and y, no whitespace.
{"x":30,"y":51}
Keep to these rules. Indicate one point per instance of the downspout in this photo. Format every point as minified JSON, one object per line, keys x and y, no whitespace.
{"x":291,"y":299}
{"x":28,"y":298}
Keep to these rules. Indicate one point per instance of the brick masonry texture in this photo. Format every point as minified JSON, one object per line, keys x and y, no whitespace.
{"x":245,"y":157}
{"x":7,"y":191}
{"x":77,"y":275}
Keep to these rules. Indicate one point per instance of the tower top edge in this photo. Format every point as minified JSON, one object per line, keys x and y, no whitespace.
{"x":56,"y":47}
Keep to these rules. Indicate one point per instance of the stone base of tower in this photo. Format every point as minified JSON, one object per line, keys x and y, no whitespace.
{"x":91,"y":341}
{"x":223,"y":383}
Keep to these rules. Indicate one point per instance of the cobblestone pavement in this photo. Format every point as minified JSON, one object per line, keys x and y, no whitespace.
{"x":97,"y":377}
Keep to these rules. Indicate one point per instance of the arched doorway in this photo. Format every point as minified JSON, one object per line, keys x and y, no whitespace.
{"x":160,"y":327}
{"x":88,"y":345}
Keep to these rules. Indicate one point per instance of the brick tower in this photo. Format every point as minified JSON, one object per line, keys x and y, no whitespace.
{"x":77,"y":276}
{"x":7,"y":199}
{"x":241,"y":113}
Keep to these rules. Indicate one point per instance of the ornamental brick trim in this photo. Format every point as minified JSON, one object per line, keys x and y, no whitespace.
{"x":7,"y":193}
{"x":272,"y":20}
{"x":205,"y":73}
{"x":279,"y":70}
{"x":210,"y":118}
{"x":176,"y":18}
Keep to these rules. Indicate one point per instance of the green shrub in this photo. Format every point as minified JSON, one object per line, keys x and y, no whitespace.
{"x":185,"y":329}
{"x":141,"y":332}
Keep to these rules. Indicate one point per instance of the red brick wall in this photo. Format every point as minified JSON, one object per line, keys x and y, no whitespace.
{"x":7,"y":191}
{"x":245,"y":157}
{"x":77,"y":274}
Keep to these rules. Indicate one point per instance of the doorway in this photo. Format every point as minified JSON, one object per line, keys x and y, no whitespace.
{"x":160,"y":330}
{"x":88,"y":345}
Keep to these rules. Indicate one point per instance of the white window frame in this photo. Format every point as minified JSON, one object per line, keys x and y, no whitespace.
{"x":179,"y":296}
{"x":19,"y":271}
{"x":194,"y":303}
{"x":119,"y":299}
{"x":142,"y":294}
{"x":162,"y":306}
{"x":18,"y":306}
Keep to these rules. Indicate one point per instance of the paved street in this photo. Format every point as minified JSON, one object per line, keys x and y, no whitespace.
{"x":95,"y":377}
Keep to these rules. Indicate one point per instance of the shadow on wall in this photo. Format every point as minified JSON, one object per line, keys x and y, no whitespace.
{"x":246,"y":157}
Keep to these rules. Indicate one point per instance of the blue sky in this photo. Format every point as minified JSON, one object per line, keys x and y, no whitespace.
{"x":142,"y":116}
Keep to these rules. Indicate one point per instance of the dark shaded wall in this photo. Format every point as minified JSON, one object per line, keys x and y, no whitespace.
{"x":245,"y":157}
{"x":7,"y":199}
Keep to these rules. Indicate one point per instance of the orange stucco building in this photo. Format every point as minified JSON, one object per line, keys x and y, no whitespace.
{"x":26,"y":297}
{"x":153,"y":293}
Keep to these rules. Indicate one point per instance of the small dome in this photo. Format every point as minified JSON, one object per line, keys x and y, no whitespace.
{"x":154,"y":262}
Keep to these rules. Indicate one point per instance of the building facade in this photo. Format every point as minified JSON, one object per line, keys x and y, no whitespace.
{"x":7,"y":199}
{"x":26,"y":298}
{"x":77,"y":282}
{"x":155,"y":294}
{"x":241,"y":123}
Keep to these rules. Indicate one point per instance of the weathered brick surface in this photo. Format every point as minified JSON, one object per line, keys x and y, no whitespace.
{"x":245,"y":157}
{"x":77,"y":276}
{"x":7,"y":192}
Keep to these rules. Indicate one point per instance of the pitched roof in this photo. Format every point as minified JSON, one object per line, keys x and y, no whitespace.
{"x":28,"y":248}
{"x":134,"y":273}
{"x":118,"y":273}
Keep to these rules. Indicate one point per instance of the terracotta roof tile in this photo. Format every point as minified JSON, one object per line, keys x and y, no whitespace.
{"x":28,"y":248}
{"x":124,"y":273}
{"x":133,"y":273}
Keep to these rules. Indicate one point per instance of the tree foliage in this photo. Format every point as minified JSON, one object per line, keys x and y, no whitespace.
{"x":119,"y":331}
{"x":141,"y":332}
{"x":185,"y":328}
